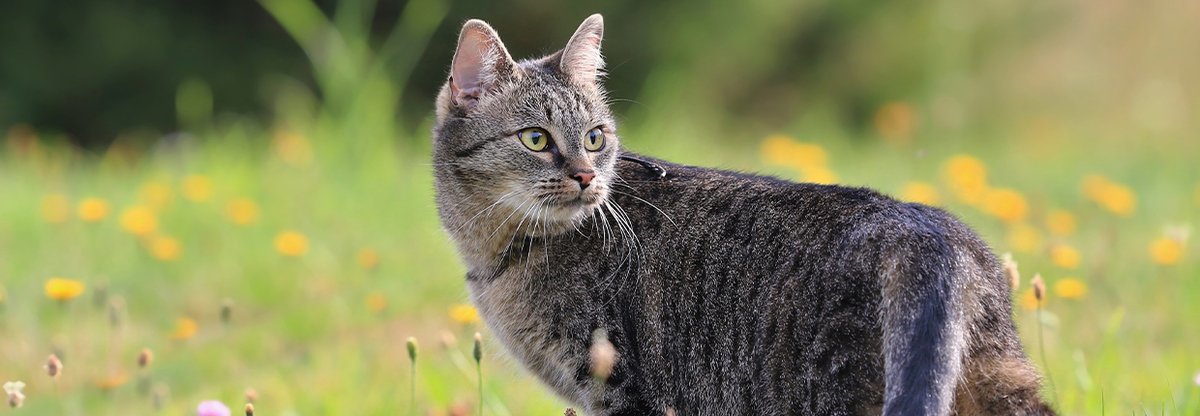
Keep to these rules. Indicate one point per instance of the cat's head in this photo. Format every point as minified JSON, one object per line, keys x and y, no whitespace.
{"x":534,"y":136}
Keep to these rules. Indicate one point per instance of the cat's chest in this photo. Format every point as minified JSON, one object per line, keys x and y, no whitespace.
{"x":541,"y":323}
{"x":520,"y":299}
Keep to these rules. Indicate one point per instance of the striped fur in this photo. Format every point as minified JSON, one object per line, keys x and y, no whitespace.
{"x":723,"y":293}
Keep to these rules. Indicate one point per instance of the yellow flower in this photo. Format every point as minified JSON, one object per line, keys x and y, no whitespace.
{"x":291,"y":147}
{"x":1113,"y":197}
{"x":775,"y":149}
{"x":1166,"y":251}
{"x":112,"y":381}
{"x":464,"y":314}
{"x":155,"y":194}
{"x":1024,"y":238}
{"x":63,"y":289}
{"x":896,"y":122}
{"x":185,"y":328}
{"x":291,"y":243}
{"x":368,"y":259}
{"x":1070,"y":288}
{"x":967,"y":178}
{"x":55,"y":208}
{"x":92,"y":209}
{"x":242,"y":211}
{"x":376,"y":302}
{"x":808,"y":155}
{"x":781,"y":150}
{"x":1060,"y":223}
{"x":819,"y":174}
{"x":1029,"y":300}
{"x":139,"y":220}
{"x":1006,"y":204}
{"x":197,"y":188}
{"x":920,"y":192}
{"x":1065,"y":256}
{"x":165,"y":248}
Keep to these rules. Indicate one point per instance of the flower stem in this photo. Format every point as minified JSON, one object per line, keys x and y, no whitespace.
{"x":479,"y":375}
{"x":412,"y":390}
{"x":1042,"y":349}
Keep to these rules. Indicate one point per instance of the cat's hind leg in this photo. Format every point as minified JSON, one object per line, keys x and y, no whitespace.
{"x":924,"y":280}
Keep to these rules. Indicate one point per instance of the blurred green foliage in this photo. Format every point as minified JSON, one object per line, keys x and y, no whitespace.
{"x":94,"y":71}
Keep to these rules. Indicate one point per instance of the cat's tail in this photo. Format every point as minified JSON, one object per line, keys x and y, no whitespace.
{"x":934,"y":285}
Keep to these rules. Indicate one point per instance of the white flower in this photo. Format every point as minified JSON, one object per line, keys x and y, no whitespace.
{"x":12,"y":389}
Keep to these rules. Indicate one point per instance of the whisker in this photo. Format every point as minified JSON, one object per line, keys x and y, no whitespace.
{"x":664,"y":214}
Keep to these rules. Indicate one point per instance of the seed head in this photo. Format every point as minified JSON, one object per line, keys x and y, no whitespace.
{"x":412,"y":348}
{"x":145,"y":358}
{"x":478,"y":352}
{"x":1039,"y":287}
{"x":54,"y":366}
{"x":249,"y":409}
{"x":12,"y":389}
{"x":226,"y":311}
{"x":569,"y":412}
{"x":1010,"y":269}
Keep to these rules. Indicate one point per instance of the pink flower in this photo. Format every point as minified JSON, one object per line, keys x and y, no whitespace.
{"x":212,"y":408}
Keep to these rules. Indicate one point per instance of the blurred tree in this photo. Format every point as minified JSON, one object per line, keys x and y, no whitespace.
{"x":96,"y":69}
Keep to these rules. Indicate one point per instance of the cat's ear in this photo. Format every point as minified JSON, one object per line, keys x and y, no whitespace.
{"x":581,"y":60}
{"x":480,"y":62}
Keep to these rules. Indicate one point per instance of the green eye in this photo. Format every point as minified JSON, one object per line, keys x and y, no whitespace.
{"x":594,"y":140}
{"x":534,"y":138}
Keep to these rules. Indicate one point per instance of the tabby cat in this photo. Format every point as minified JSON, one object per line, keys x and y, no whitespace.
{"x":723,"y":293}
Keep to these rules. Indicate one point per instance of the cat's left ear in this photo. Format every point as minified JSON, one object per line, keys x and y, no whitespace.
{"x":581,"y":60}
{"x":480,"y":62}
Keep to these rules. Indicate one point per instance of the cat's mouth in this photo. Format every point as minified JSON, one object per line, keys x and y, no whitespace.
{"x":571,"y":205}
{"x":583,"y":199}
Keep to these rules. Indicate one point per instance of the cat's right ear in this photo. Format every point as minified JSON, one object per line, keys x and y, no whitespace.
{"x":480,"y":62}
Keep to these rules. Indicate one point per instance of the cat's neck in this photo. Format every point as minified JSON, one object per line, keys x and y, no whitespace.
{"x":486,"y":234}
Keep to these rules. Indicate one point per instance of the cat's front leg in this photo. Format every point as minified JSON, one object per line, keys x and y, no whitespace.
{"x":622,"y":400}
{"x":619,"y":394}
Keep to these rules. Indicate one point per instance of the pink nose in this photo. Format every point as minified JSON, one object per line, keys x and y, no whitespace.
{"x":584,"y":177}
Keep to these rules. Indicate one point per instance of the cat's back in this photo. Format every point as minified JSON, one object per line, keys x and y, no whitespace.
{"x":743,"y":206}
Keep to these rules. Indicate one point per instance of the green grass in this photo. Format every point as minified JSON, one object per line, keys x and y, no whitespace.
{"x":302,"y":333}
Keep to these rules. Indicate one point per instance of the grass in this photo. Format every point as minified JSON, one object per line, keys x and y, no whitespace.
{"x":296,"y":258}
{"x":323,"y":328}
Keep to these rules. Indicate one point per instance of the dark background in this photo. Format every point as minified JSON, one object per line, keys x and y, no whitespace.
{"x":96,"y":69}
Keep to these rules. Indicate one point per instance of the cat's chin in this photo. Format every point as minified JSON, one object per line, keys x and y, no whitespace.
{"x":565,"y":214}
{"x":573,"y":210}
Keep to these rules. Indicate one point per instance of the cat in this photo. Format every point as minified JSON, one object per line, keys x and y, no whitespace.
{"x":722,"y":293}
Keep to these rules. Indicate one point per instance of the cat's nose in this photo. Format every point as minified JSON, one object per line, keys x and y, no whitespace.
{"x":584,"y":177}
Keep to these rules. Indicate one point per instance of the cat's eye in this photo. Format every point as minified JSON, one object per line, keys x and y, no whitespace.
{"x":594,"y":141}
{"x":534,"y":138}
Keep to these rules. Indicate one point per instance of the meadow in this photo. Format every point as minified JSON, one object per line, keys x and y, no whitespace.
{"x":276,"y":266}
{"x":288,"y":263}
